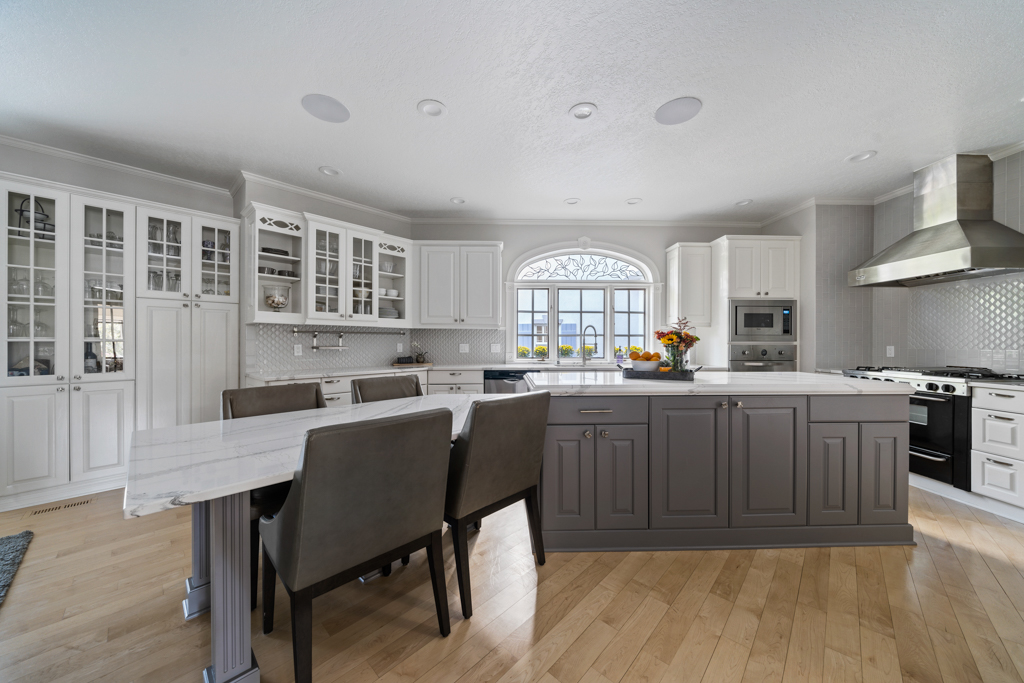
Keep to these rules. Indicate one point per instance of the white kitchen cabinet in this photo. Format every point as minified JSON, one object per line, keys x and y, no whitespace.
{"x":762,"y":267}
{"x":214,"y":357}
{"x":33,"y":438}
{"x":455,"y":389}
{"x":744,"y":269}
{"x":997,"y":477}
{"x":689,"y":283}
{"x":460,"y":284}
{"x":102,"y":421}
{"x":341,"y":267}
{"x":283,"y":233}
{"x":395,"y":276}
{"x":35,"y":286}
{"x":779,"y":269}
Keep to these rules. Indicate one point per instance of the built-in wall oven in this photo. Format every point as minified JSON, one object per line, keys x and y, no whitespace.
{"x":762,"y":321}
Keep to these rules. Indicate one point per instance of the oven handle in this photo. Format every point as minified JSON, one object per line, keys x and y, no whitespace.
{"x":930,"y":457}
{"x":930,"y":398}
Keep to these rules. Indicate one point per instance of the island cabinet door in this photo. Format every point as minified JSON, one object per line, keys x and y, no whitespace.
{"x":768,"y":451}
{"x":567,"y":479}
{"x":884,"y":472}
{"x":689,"y":462}
{"x":833,"y":456}
{"x":620,"y":457}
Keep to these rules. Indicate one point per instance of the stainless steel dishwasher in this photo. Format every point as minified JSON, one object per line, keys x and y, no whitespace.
{"x":505,"y":381}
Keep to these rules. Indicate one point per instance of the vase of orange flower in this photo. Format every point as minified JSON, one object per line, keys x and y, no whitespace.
{"x":677,"y":340}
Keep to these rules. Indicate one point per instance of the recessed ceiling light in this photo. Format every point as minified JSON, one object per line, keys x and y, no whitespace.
{"x":583,"y":110}
{"x":329,"y":170}
{"x":572,"y":200}
{"x":634,"y":200}
{"x":325,"y":108}
{"x":679,"y":110}
{"x":457,"y":200}
{"x":745,"y":202}
{"x":861,"y":156}
{"x":432,"y":108}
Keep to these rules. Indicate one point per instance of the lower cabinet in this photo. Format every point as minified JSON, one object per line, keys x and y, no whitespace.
{"x":689,"y":462}
{"x":102,"y":421}
{"x":832,"y":469}
{"x":214,"y":358}
{"x":768,"y":452}
{"x":567,"y":478}
{"x":884,"y":468}
{"x":455,"y":389}
{"x":34,"y":431}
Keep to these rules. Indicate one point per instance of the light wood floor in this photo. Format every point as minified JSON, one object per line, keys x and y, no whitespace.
{"x":98,"y":598}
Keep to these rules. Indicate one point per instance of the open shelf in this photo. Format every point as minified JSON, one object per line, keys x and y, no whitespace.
{"x":391,"y":298}
{"x":278,"y":257}
{"x":390,"y":275}
{"x":277,"y":278}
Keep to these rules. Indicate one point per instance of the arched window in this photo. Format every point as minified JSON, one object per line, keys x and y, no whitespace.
{"x":570,"y":303}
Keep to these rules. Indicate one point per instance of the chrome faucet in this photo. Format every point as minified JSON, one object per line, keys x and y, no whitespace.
{"x":583,"y":350}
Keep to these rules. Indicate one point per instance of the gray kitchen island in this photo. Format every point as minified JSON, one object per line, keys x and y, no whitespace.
{"x":730,"y":460}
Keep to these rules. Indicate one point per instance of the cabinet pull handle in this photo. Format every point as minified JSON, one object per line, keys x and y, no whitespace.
{"x":603,"y":410}
{"x":587,"y":434}
{"x":724,"y":404}
{"x":929,"y":457}
{"x":604,"y":433}
{"x":454,"y":374}
{"x":331,"y":381}
{"x":991,"y":393}
{"x":332,"y":398}
{"x":197,"y":296}
{"x":197,"y":305}
{"x":1004,"y":464}
{"x":739,"y":404}
{"x":185,"y":294}
{"x":78,"y":388}
{"x":1000,"y":417}
{"x":184,"y":305}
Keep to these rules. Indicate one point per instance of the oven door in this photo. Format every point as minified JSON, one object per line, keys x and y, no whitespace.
{"x":931,"y":436}
{"x":758,"y":321}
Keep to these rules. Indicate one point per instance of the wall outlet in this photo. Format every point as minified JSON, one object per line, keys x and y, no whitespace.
{"x":495,"y":348}
{"x":400,"y":347}
{"x":890,"y":351}
{"x":463,"y":348}
{"x":298,"y":349}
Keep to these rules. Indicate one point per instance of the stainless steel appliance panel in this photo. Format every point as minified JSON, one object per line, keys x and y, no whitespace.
{"x":762,"y":358}
{"x":752,"y":320}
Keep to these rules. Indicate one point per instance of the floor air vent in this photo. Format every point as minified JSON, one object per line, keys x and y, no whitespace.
{"x":54,"y":508}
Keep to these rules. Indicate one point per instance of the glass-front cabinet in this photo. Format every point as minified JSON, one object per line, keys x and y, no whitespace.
{"x":343,"y":285}
{"x":392,"y":279}
{"x":214,"y":246}
{"x":35,"y":287}
{"x":102,"y":290}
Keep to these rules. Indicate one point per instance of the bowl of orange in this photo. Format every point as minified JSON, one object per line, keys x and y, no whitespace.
{"x":646,"y":361}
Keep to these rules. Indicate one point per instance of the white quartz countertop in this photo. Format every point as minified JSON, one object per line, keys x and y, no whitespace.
{"x":733,"y":383}
{"x":377,"y":370}
{"x":192,"y":463}
{"x":1012,"y":386}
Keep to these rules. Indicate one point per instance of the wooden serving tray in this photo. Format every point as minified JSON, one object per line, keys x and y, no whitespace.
{"x":684,"y":376}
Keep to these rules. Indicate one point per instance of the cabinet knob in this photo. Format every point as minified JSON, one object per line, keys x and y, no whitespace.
{"x":185,"y":294}
{"x":766,"y":293}
{"x":60,"y":390}
{"x":197,"y":296}
{"x":78,"y":388}
{"x":196,"y":305}
{"x":604,"y":433}
{"x":759,"y":293}
{"x":456,"y":320}
{"x":724,"y":404}
{"x":459,"y":388}
{"x":462,"y":320}
{"x":78,"y":377}
{"x":739,"y":404}
{"x":587,"y":434}
{"x":60,"y":378}
{"x":185,"y":305}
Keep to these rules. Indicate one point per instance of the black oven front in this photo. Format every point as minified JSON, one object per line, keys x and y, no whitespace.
{"x":940,"y":437}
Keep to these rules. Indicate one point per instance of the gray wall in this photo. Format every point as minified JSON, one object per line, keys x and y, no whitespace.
{"x":803,"y":223}
{"x":894,"y":219}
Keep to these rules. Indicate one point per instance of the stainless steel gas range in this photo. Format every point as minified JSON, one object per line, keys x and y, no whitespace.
{"x":940,"y":417}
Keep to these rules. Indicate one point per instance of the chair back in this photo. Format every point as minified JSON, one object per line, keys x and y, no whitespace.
{"x":370,"y":389}
{"x":498,"y":453}
{"x":361,"y":490}
{"x":286,"y":398}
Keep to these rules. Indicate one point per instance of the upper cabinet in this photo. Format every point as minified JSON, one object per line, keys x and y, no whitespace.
{"x":460,"y":284}
{"x":688,"y":291}
{"x":274,"y":266}
{"x":342,"y":263}
{"x":394,"y":275}
{"x":761,"y":267}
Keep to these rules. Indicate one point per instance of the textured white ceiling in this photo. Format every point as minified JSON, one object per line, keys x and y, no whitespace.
{"x":202,"y":88}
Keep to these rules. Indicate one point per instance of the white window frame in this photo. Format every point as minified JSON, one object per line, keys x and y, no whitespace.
{"x":651,"y":291}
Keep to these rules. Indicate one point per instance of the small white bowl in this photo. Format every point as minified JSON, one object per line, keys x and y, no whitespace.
{"x":646,"y":365}
{"x":392,"y":292}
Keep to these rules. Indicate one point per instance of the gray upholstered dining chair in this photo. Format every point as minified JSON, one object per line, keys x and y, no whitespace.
{"x":495,"y":462}
{"x":251,"y":402}
{"x":365,"y":493}
{"x":370,"y":389}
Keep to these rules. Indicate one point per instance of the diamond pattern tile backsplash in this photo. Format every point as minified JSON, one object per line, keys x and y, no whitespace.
{"x":443,"y":346}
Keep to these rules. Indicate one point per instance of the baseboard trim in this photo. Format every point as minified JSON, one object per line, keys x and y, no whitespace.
{"x":63,"y":492}
{"x":996,"y":507}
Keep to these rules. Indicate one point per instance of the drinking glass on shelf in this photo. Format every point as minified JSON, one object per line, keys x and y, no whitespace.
{"x":174,"y":233}
{"x":156,"y":281}
{"x":208,"y":286}
{"x":173,"y":282}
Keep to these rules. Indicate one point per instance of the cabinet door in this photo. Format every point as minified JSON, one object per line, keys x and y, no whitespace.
{"x":832,"y":470}
{"x":567,"y":478}
{"x":997,"y":477}
{"x":328,"y":270}
{"x":689,"y":462}
{"x":102,"y":421}
{"x":768,"y":451}
{"x":779,"y":274}
{"x":163,"y":255}
{"x":884,"y":472}
{"x":102,"y":289}
{"x":439,"y":285}
{"x":620,"y":477}
{"x":164,"y":373}
{"x":214,"y":272}
{"x":33,"y":438}
{"x":692,"y":285}
{"x":214,"y":357}
{"x":744,"y":269}
{"x":34,"y":286}
{"x":470,"y":388}
{"x":361,"y":278}
{"x":480,"y":285}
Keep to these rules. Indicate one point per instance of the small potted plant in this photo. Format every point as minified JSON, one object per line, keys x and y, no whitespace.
{"x":677,"y":341}
{"x":540,"y":352}
{"x":421,"y":355}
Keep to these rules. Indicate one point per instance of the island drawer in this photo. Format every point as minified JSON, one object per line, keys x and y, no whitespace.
{"x":998,"y":399}
{"x":874,"y":408}
{"x":455,"y":377}
{"x":598,"y":410}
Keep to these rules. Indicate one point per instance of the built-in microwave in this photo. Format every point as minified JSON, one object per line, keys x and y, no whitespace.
{"x":753,"y":320}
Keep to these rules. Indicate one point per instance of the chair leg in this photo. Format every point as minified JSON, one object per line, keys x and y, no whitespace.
{"x":405,"y":560}
{"x":302,"y":634}
{"x":479,"y":524}
{"x":533,"y":517}
{"x":254,"y":559}
{"x":459,"y":531}
{"x":269,"y":587}
{"x":386,"y":570}
{"x":435,"y":558}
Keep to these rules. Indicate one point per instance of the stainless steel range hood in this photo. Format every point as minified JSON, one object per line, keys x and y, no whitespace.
{"x":954,"y":236}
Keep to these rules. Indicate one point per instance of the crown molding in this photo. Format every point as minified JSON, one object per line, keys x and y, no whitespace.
{"x":1007,"y":151}
{"x":110,"y":165}
{"x":237,"y":185}
{"x":313,"y":194}
{"x":788,"y":212}
{"x":898,"y":192}
{"x":584,"y":223}
{"x":815,"y":201}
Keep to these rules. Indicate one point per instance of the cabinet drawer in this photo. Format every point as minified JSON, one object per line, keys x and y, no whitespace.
{"x":344,"y":399}
{"x":877,"y":408}
{"x":343,"y":385}
{"x":455,"y":377}
{"x":598,"y":410}
{"x":997,"y":432}
{"x":997,"y":477}
{"x":998,"y":399}
{"x":455,"y":389}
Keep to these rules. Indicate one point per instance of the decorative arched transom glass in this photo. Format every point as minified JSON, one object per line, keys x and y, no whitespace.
{"x":599,"y":300}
